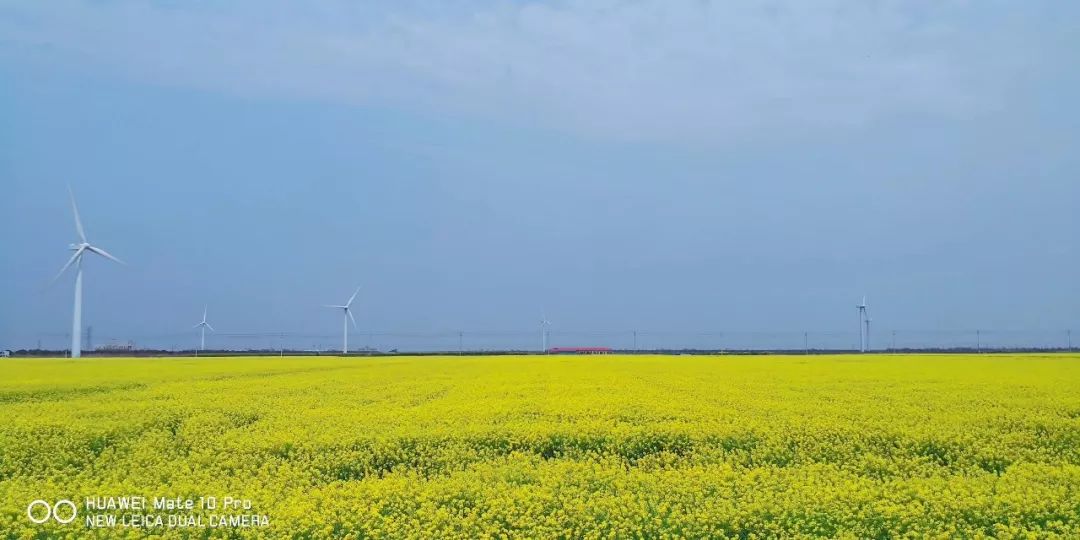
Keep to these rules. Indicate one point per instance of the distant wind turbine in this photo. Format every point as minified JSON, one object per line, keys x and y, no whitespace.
{"x":80,"y":249}
{"x":202,"y":326}
{"x":864,"y":321}
{"x":347,"y":314}
{"x":544,"y":324}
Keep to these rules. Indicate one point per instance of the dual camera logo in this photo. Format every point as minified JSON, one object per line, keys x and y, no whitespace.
{"x":63,"y":511}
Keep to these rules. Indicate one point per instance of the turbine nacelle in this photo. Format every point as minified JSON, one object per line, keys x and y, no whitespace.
{"x":81,"y":248}
{"x":203,"y":323}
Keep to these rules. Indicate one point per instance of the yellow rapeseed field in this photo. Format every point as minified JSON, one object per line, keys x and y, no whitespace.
{"x":547,"y":447}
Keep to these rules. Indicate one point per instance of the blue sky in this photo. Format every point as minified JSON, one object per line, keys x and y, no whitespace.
{"x":651,"y":165}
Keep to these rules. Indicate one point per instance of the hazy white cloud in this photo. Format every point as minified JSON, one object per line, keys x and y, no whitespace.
{"x":645,"y":70}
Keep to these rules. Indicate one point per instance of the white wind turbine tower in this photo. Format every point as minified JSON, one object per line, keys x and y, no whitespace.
{"x":80,"y":249}
{"x":544,"y":324}
{"x":864,"y":321}
{"x":347,"y":317}
{"x":202,"y":326}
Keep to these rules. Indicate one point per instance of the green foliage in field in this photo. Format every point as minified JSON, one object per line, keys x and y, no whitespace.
{"x":549,"y":447}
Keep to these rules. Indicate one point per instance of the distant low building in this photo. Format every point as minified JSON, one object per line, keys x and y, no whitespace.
{"x":117,"y":347}
{"x":580,"y":350}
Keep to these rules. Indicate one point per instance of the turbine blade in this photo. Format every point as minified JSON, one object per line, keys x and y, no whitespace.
{"x":353,"y":297}
{"x":75,"y":210}
{"x":204,"y":313}
{"x":196,"y":326}
{"x":334,"y":306}
{"x":78,"y":253}
{"x":349,"y":313}
{"x":104,"y":253}
{"x":210,"y":327}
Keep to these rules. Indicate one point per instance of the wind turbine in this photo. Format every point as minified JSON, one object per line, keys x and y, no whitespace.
{"x":864,"y":320}
{"x":202,"y":326}
{"x":544,"y":324}
{"x":80,"y":249}
{"x":347,"y":317}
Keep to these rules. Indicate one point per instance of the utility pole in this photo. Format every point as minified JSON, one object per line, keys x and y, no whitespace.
{"x":635,"y":341}
{"x":460,"y":342}
{"x":894,"y":341}
{"x":1069,"y":333}
{"x":978,"y":341}
{"x":805,"y":343}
